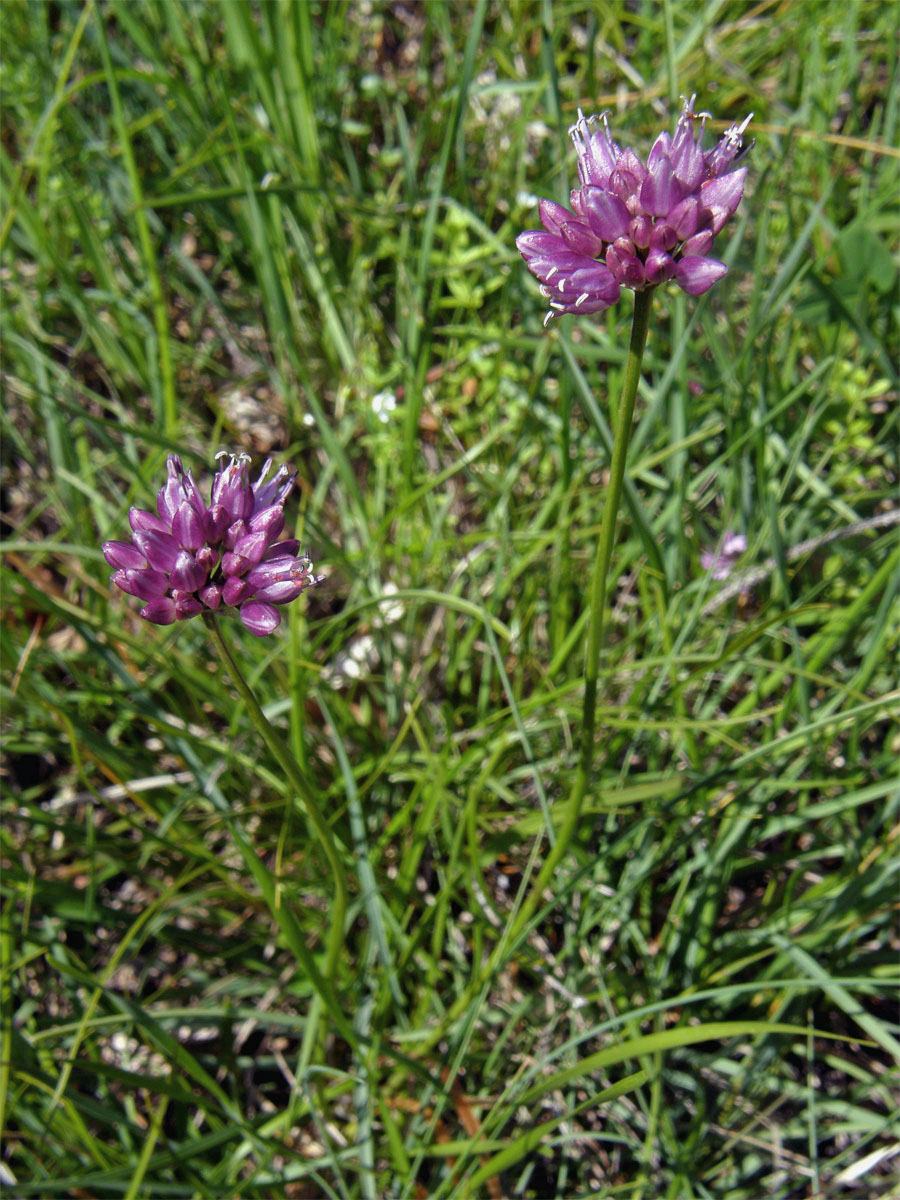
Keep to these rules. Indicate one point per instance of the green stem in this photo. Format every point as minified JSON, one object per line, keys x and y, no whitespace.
{"x":299,"y":782}
{"x":643,"y":302}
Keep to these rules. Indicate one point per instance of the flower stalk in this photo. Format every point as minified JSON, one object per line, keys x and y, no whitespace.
{"x":193,"y":558}
{"x":635,"y":225}
{"x":300,"y":784}
{"x":643,"y":302}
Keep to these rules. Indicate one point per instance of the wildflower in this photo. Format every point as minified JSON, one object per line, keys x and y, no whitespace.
{"x":383,"y":404}
{"x":191,"y":556}
{"x":721,"y":561}
{"x":633,"y":224}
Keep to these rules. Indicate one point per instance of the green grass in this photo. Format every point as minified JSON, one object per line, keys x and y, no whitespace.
{"x":230,"y":224}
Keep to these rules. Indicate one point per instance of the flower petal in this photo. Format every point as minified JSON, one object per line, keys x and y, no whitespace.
{"x":659,"y":267}
{"x":216,"y":521}
{"x":234,"y":533}
{"x":289,"y":547}
{"x":560,"y":269}
{"x":211,"y":596}
{"x":699,"y":245}
{"x":187,"y":607}
{"x":208,"y":558}
{"x":661,"y":148}
{"x":282,"y":592}
{"x":608,"y":216}
{"x":123,"y":555}
{"x":688,"y":160}
{"x":581,"y":238}
{"x":142,"y":521}
{"x":663,"y":237}
{"x":276,"y":491}
{"x":553,"y":216}
{"x":685,"y":217}
{"x":251,"y":548}
{"x":661,"y":191}
{"x":235,"y":590}
{"x":260,"y":619}
{"x":597,"y":152}
{"x":269,"y":521}
{"x":187,"y":574}
{"x":535,"y":243}
{"x":697,"y":275}
{"x":590,"y":277}
{"x":640,"y":231}
{"x":146,"y":585}
{"x":233,"y":566}
{"x":160,"y":612}
{"x":188,"y":527}
{"x":170,"y":495}
{"x":720,"y":197}
{"x":232,"y":490}
{"x":160,"y":549}
{"x":629,"y":270}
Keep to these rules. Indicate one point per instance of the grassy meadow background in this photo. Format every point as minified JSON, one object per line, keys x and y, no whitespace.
{"x":288,"y":229}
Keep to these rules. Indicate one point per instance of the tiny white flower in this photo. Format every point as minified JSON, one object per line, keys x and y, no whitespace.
{"x":383,"y":404}
{"x":391,"y":610}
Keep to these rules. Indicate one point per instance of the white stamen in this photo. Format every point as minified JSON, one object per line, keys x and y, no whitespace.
{"x":733,"y":135}
{"x":236,"y":460}
{"x":690,"y":115}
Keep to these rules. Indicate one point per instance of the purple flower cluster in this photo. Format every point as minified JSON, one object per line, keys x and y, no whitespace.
{"x":191,"y":556}
{"x":633,"y":225}
{"x":721,"y":561}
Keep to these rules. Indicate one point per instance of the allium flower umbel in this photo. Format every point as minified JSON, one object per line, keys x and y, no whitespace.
{"x":635,"y":225}
{"x":191,"y":556}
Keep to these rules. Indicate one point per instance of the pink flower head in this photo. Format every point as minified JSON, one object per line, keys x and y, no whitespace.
{"x":190,"y":556}
{"x":635,"y":224}
{"x":720,"y":562}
